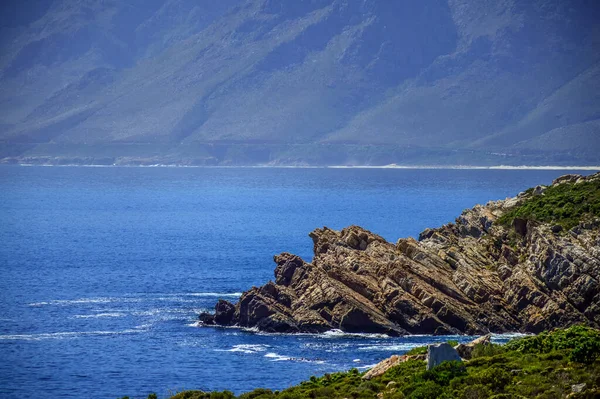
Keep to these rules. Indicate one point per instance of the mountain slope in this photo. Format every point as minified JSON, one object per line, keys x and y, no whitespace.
{"x":312,"y":81}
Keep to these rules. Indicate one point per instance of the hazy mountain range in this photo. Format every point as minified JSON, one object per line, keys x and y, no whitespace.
{"x":352,"y":82}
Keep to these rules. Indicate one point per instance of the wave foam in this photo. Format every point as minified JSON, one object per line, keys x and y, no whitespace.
{"x":84,"y":301}
{"x":216,"y":294}
{"x":246,"y":348}
{"x":277,"y":358}
{"x":98,"y":315}
{"x":64,"y":335}
{"x":342,"y":334}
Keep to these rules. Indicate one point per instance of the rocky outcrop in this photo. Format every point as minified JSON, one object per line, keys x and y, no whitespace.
{"x":474,"y":276}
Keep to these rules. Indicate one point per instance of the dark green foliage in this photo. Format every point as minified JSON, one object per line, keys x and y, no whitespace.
{"x":542,"y":366}
{"x":419,"y":350}
{"x":489,"y":350}
{"x":583,"y":343}
{"x":564,"y":204}
{"x":204,"y":395}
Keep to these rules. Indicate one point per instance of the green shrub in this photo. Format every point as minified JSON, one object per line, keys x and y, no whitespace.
{"x":481,"y":350}
{"x":419,"y":350}
{"x":476,"y":391}
{"x":257,"y":394}
{"x":583,"y":343}
{"x":446,"y":371}
{"x":564,"y":204}
{"x":425,"y":390}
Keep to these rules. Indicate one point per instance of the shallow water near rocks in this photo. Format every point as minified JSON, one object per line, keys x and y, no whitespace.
{"x":103,"y":271}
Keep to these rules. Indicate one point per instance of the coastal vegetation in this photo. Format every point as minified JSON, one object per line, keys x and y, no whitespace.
{"x":557,"y":364}
{"x":565,"y":205}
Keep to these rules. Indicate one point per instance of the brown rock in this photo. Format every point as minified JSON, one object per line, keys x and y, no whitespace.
{"x":460,"y":278}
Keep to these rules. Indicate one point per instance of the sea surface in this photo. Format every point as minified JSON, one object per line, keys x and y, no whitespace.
{"x":103,"y":271}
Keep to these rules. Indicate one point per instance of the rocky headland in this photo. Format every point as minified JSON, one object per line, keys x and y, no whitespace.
{"x":528,"y":264}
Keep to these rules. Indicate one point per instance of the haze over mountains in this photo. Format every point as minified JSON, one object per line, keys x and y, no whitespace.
{"x":323,"y":82}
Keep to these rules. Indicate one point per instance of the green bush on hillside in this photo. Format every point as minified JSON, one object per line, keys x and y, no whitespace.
{"x":564,"y":204}
{"x":583,"y":343}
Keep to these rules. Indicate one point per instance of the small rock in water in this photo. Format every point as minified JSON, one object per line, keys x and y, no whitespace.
{"x":437,"y":354}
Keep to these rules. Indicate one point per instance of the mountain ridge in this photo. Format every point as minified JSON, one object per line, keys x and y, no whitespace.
{"x":321,"y":82}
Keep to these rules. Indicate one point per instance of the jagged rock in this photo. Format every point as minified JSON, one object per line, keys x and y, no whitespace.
{"x":566,"y":179}
{"x":466,"y":350}
{"x":437,"y":354}
{"x":466,"y":277}
{"x":224,"y":312}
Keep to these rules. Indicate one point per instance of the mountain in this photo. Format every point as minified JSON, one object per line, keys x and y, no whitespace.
{"x":528,"y":264}
{"x":365,"y":82}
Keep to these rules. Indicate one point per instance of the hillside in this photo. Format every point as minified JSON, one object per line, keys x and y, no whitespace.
{"x":527,"y":264}
{"x":307,"y":82}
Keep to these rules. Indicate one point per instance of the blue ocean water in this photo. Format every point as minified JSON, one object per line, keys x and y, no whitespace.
{"x":103,"y":271}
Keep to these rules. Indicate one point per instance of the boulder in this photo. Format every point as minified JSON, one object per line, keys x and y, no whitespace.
{"x":436,"y":354}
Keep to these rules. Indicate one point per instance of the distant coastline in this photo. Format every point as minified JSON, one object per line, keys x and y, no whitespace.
{"x":267,"y":166}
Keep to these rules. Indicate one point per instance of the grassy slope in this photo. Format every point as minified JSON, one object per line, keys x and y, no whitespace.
{"x":565,"y":204}
{"x":542,"y":366}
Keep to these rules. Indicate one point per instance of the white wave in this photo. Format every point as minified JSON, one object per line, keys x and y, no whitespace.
{"x":64,"y":335}
{"x":195,"y":324}
{"x":511,"y":335}
{"x":390,"y":348}
{"x":246,"y":348}
{"x":277,"y":358}
{"x":327,"y":334}
{"x":85,"y":301}
{"x":341,"y":334}
{"x":216,"y":294}
{"x":274,"y":357}
{"x":201,"y":294}
{"x":98,"y":315}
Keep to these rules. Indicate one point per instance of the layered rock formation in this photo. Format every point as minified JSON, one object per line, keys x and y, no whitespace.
{"x":473,"y":276}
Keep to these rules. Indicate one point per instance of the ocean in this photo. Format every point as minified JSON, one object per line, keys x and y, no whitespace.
{"x":103,"y":271}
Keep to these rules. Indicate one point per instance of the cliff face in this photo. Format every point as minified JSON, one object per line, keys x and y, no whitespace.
{"x":474,"y":276}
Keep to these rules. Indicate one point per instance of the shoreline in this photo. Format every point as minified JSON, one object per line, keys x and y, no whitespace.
{"x":392,"y":166}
